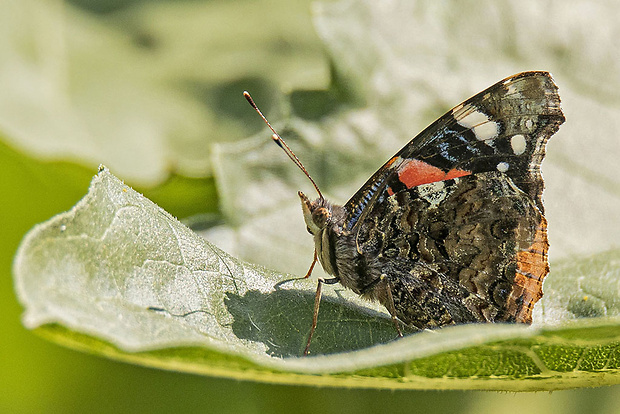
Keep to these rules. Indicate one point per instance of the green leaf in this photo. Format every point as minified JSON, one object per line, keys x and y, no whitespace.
{"x":120,"y":277}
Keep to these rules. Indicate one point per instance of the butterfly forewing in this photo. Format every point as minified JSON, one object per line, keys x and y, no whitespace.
{"x":503,"y":128}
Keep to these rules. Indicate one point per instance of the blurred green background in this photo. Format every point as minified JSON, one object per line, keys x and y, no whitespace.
{"x":163,"y":80}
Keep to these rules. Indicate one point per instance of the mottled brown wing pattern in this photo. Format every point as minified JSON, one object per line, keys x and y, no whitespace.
{"x":451,"y":250}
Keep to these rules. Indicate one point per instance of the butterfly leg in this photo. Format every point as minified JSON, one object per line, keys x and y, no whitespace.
{"x":314,"y":260}
{"x":277,"y":285}
{"x":315,"y":315}
{"x":390,"y":303}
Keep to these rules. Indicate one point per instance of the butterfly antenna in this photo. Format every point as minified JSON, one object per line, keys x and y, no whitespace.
{"x":282,"y":144}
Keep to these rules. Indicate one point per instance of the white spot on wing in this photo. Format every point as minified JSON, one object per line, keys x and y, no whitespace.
{"x":433,"y":193}
{"x":486,"y":132}
{"x":483,"y":128}
{"x":511,"y":89}
{"x":503,"y":166}
{"x":472,"y":119}
{"x":518,"y":144}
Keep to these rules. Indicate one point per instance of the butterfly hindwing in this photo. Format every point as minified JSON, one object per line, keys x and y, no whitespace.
{"x":450,"y":250}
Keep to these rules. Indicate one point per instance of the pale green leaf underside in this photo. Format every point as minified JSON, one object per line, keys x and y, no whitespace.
{"x":115,"y":275}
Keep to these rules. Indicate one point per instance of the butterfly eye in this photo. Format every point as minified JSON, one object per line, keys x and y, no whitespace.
{"x":320,"y":216}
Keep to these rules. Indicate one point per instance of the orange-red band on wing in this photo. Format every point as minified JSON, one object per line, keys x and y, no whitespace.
{"x":532,"y":267}
{"x":415,"y":172}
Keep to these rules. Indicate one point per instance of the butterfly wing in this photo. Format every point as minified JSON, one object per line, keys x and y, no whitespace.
{"x":455,"y":219}
{"x":503,"y":128}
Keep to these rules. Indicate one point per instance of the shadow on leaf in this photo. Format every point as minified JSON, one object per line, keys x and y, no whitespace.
{"x":281,"y":320}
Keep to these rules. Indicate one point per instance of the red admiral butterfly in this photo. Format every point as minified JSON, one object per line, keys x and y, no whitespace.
{"x":452,"y":228}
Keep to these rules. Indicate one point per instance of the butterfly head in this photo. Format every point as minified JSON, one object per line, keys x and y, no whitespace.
{"x":317,"y":213}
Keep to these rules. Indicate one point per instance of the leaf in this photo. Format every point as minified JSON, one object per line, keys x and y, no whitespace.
{"x":120,"y":277}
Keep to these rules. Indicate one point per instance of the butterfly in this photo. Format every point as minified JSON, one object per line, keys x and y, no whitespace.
{"x":451,"y":229}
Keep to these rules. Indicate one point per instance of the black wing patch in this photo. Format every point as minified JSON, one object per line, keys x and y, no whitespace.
{"x":504,"y":128}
